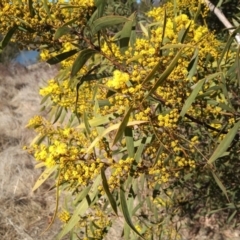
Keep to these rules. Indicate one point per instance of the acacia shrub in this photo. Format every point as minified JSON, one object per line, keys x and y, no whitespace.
{"x":140,"y":122}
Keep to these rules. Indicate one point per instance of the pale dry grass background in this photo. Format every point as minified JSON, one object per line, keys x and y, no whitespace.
{"x":24,"y":215}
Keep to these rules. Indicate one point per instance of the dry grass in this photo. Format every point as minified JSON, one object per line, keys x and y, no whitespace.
{"x":23,"y":214}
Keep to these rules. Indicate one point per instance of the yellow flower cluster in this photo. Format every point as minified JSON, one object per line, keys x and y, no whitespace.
{"x":121,"y":171}
{"x":80,"y":172}
{"x":43,"y":20}
{"x":159,"y":172}
{"x":172,"y":150}
{"x":119,"y":80}
{"x":65,"y":96}
{"x":101,"y":222}
{"x":162,"y":202}
{"x":112,"y":50}
{"x":64,"y":216}
{"x":52,"y":88}
{"x":66,"y":149}
{"x":130,"y":91}
{"x":169,"y":120}
{"x":145,"y":55}
{"x":118,"y":102}
{"x":41,"y":125}
{"x":182,"y":6}
{"x":144,"y":115}
{"x":183,"y":162}
{"x":46,"y":54}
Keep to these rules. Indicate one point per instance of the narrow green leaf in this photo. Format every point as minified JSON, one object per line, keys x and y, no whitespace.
{"x":44,"y":176}
{"x":129,"y":141}
{"x":139,"y":142}
{"x":45,"y":5}
{"x":217,"y":210}
{"x":70,"y":22}
{"x":192,"y":66}
{"x":137,"y":158}
{"x":166,"y":73}
{"x":126,"y":33}
{"x":64,"y":29}
{"x":81,"y":59}
{"x":77,"y":93}
{"x":183,"y":34}
{"x":53,"y":111}
{"x":210,"y":77}
{"x":158,"y":153}
{"x":238,"y":66}
{"x":31,"y":9}
{"x":138,"y":206}
{"x":209,"y":92}
{"x":219,"y":183}
{"x":26,"y":27}
{"x":95,"y":76}
{"x":63,"y":115}
{"x":125,"y":211}
{"x":163,"y":31}
{"x":63,"y":74}
{"x":144,"y":29}
{"x":228,"y":44}
{"x":225,"y":143}
{"x":135,"y":58}
{"x":108,"y":130}
{"x":40,"y":165}
{"x":38,"y":139}
{"x":90,"y":22}
{"x":96,"y":109}
{"x":139,"y":152}
{"x":86,"y":123}
{"x":133,"y":36}
{"x":7,"y":37}
{"x":57,"y":114}
{"x":127,"y":229}
{"x":81,"y":195}
{"x":107,"y":21}
{"x":198,"y":12}
{"x":122,"y":126}
{"x":192,"y":97}
{"x":152,"y":73}
{"x":98,"y":121}
{"x":62,"y":56}
{"x":45,"y":98}
{"x":108,"y":193}
{"x":61,"y":31}
{"x":100,"y":4}
{"x":232,"y":216}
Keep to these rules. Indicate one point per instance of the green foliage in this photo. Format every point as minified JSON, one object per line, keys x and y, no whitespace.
{"x":143,"y":120}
